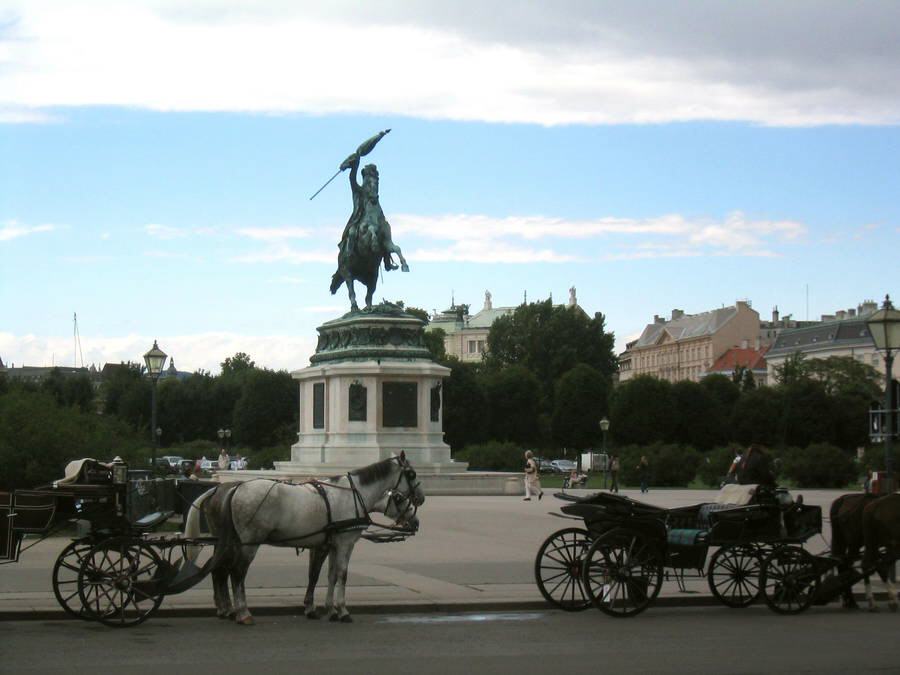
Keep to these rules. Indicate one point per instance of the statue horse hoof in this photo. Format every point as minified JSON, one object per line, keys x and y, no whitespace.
{"x":349,"y":619}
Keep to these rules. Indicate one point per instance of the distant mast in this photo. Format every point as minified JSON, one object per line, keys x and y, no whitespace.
{"x":77,"y":339}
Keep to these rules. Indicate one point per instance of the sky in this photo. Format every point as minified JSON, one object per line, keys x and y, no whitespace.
{"x":157,"y":161}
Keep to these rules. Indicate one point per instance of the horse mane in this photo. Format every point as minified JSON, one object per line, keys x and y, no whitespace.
{"x":373,"y":472}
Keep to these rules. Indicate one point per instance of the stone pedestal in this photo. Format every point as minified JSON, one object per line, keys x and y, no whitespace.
{"x":371,"y":391}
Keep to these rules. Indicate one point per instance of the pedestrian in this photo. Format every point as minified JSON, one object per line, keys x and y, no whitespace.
{"x":755,"y":468}
{"x":240,"y":463}
{"x":223,"y":460}
{"x":614,"y":474}
{"x":532,"y":478}
{"x":643,"y":469}
{"x":731,"y":476}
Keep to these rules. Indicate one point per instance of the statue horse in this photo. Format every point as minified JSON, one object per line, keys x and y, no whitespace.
{"x":865,"y":520}
{"x":326,"y":517}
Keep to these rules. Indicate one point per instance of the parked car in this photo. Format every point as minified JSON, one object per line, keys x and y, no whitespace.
{"x":169,"y":463}
{"x":563,"y":465}
{"x":544,"y":465}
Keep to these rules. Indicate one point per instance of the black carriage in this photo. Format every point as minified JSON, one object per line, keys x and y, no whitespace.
{"x":113,"y":571}
{"x":618,"y":560}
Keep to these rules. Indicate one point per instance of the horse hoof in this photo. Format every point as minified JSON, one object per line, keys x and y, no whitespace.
{"x":892,"y":606}
{"x":334,"y":618}
{"x":349,"y":619}
{"x":873,"y":610}
{"x":312,"y":616}
{"x":246,"y":621}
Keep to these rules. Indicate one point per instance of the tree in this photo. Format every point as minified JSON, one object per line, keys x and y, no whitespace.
{"x":699,"y":418}
{"x":844,"y":375}
{"x":549,"y":341}
{"x":434,"y":340}
{"x":238,"y":363}
{"x":792,"y":370}
{"x":807,"y":414}
{"x":722,"y":390}
{"x":465,"y":412}
{"x":642,"y":411}
{"x":513,"y":398}
{"x":757,"y":417}
{"x":580,"y":402}
{"x":266,"y":413}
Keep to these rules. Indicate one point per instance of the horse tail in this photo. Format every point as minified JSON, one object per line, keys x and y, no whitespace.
{"x":336,"y":281}
{"x":226,"y":536}
{"x":192,"y":524}
{"x":838,"y":536}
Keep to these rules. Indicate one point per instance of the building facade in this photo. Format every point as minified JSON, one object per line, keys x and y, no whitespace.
{"x":686,"y":346}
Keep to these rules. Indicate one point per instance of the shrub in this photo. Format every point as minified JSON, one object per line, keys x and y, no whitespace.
{"x":820,"y":465}
{"x":714,"y":466}
{"x":670,"y":465}
{"x":266,"y":458}
{"x":493,"y":456}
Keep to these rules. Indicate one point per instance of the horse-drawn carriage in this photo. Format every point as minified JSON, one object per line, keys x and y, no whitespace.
{"x":118,"y":570}
{"x":618,"y":560}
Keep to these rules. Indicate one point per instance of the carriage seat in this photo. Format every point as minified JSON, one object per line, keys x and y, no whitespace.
{"x":729,"y":497}
{"x":87,"y":471}
{"x":151,"y":520}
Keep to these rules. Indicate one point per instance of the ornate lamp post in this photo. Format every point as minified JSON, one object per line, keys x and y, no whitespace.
{"x":225,"y":439}
{"x":604,"y":427}
{"x":884,"y":325}
{"x":154,"y":359}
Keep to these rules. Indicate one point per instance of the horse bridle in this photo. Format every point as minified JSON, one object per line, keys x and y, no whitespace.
{"x":398,"y":497}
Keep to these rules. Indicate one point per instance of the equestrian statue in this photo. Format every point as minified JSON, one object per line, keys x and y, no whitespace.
{"x":366,"y":241}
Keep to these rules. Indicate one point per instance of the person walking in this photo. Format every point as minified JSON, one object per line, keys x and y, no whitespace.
{"x":532,"y":477}
{"x":223,"y":460}
{"x":614,"y":473}
{"x":643,"y":468}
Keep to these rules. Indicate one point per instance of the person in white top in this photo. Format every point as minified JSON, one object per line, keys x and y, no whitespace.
{"x":532,"y":478}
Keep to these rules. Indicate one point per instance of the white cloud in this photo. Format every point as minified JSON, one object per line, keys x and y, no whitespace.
{"x":12,"y":229}
{"x":190,"y":352}
{"x":165,"y":231}
{"x":545,"y":63}
{"x":273,"y":233}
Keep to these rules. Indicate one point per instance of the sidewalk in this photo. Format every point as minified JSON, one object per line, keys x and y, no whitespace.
{"x":471,"y":554}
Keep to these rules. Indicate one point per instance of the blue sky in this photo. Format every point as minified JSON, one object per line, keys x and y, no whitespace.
{"x":158,"y":162}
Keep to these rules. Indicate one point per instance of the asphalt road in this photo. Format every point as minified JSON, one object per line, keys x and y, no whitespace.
{"x":702,"y":640}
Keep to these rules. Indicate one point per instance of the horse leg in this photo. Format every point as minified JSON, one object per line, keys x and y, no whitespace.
{"x":224,"y":608}
{"x":332,"y":582}
{"x":238,"y":576}
{"x":316,"y":560}
{"x":352,"y":293}
{"x":342,"y":558}
{"x":370,"y":291}
{"x":403,"y":266}
{"x":869,"y":597}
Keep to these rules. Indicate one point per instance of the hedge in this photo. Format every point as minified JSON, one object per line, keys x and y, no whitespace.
{"x":493,"y":456}
{"x":820,"y":465}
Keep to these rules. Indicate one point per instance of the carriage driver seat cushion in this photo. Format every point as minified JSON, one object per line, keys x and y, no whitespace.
{"x":736,"y":495}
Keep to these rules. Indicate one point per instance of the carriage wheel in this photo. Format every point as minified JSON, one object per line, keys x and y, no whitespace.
{"x":65,"y":578}
{"x":113,"y":582}
{"x":789,"y":580}
{"x":622,"y":572}
{"x":557,"y":569}
{"x":733,"y":575}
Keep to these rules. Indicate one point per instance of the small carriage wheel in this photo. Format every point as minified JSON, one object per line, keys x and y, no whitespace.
{"x":789,"y":580}
{"x":622,"y":572}
{"x":65,"y":578}
{"x":733,"y":575}
{"x":557,"y":569}
{"x":116,"y":582}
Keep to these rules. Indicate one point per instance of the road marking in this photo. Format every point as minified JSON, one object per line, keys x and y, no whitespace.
{"x":463,"y":618}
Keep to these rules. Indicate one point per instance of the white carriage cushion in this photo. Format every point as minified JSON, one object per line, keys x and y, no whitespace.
{"x":73,"y":470}
{"x":736,"y":495}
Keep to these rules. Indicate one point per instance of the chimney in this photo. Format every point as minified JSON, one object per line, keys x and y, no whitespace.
{"x":677,"y":314}
{"x":658,"y":319}
{"x":775,"y":314}
{"x":851,"y":313}
{"x":841,"y":315}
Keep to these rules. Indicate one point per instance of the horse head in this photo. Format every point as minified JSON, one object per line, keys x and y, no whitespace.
{"x":412,"y":487}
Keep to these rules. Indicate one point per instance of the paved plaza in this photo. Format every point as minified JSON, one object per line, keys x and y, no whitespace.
{"x":471,"y":553}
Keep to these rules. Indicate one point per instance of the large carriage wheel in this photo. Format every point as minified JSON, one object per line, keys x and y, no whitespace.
{"x":733,"y":575}
{"x":789,"y":580}
{"x":65,"y":578}
{"x":622,"y":572}
{"x":557,"y":569}
{"x":116,"y":582}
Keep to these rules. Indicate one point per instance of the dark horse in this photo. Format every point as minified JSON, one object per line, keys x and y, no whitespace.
{"x":873,"y":522}
{"x":366,"y":241}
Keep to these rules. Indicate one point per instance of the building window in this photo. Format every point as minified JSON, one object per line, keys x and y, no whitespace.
{"x":874,"y":360}
{"x":472,"y":347}
{"x":481,"y":346}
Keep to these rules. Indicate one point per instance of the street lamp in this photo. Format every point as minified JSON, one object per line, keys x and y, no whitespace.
{"x":225,"y":438}
{"x":154,"y":359}
{"x":884,"y":325}
{"x":604,"y":427}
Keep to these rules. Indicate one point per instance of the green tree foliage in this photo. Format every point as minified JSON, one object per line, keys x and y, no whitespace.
{"x":434,"y":341}
{"x":715,"y":464}
{"x":806,"y":414}
{"x":266,"y":413}
{"x":757,"y":417}
{"x":844,"y":375}
{"x":670,"y":465}
{"x":465,"y":410}
{"x":642,"y":411}
{"x":118,"y":381}
{"x":549,"y":341}
{"x":794,"y":369}
{"x":820,"y":465}
{"x":723,"y":390}
{"x":580,"y":402}
{"x":699,"y":419}
{"x":237,"y":364}
{"x":493,"y":456}
{"x":513,"y":398}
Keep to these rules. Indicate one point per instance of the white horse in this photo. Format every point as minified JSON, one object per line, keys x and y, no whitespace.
{"x":326,"y":517}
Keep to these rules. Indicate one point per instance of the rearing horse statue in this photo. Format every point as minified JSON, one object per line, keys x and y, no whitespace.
{"x":366,"y":240}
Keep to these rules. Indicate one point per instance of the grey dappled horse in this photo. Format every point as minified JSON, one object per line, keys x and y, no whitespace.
{"x":261,"y":511}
